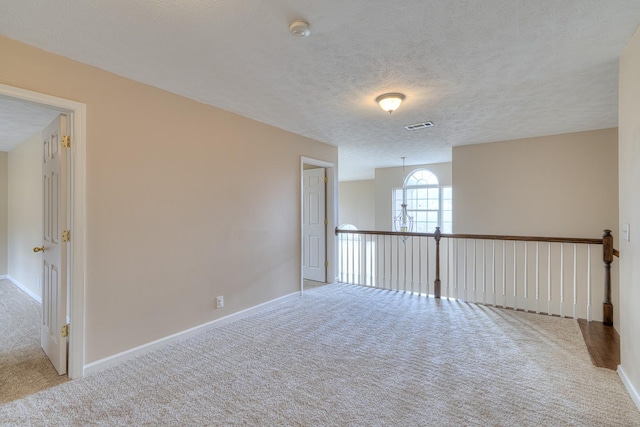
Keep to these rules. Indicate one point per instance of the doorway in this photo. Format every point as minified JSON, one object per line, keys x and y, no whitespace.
{"x":317,"y":254}
{"x":76,"y":208}
{"x":314,"y":224}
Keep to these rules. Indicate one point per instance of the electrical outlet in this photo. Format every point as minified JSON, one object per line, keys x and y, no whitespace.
{"x":220,"y":302}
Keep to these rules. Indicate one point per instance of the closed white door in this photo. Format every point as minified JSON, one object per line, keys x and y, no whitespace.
{"x":54,"y":246}
{"x":313,"y":226}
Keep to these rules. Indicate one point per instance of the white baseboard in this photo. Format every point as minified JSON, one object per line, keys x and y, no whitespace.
{"x":98,"y":365}
{"x":23,"y":288}
{"x":629,"y":386}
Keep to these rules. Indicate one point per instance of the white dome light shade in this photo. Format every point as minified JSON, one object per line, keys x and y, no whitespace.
{"x":389,"y":102}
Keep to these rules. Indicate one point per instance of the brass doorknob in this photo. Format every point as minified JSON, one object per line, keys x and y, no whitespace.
{"x":40,"y":249}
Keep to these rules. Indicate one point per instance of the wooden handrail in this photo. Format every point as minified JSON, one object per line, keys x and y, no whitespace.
{"x":478,"y":236}
{"x":383,"y":233}
{"x":606,"y":241}
{"x":526,"y":238}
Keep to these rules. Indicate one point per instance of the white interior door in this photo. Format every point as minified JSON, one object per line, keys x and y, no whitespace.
{"x":54,"y":246}
{"x":313,"y":225}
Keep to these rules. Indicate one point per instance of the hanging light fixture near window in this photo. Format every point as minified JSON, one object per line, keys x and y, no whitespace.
{"x":389,"y":102}
{"x":404,"y":222}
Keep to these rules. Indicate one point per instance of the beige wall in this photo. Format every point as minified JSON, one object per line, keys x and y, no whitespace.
{"x":4,"y":156}
{"x":629,"y":129}
{"x":358,"y":204}
{"x":386,"y":179}
{"x":25,"y":213}
{"x":185,"y":202}
{"x":561,"y":185}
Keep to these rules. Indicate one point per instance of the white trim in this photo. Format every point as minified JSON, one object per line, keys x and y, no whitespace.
{"x":23,"y":288}
{"x":332,"y":214}
{"x":633,"y":392}
{"x":116,"y":359}
{"x":77,"y":223}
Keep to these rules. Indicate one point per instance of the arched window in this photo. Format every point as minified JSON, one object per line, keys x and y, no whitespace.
{"x":421,"y":177}
{"x":428,"y":204}
{"x":347,"y":227}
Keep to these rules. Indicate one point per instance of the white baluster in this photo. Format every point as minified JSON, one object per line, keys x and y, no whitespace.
{"x":549,"y":280}
{"x":465,"y":270}
{"x":575,"y":281}
{"x":384,"y":262}
{"x":420,"y":264}
{"x":448,"y":269}
{"x":493,"y":271}
{"x":561,"y":279}
{"x":484,"y":274}
{"x":526,"y":276}
{"x":412,"y":255}
{"x":537,"y":277}
{"x":475,"y":261}
{"x":515,"y":275}
{"x":428,"y":282}
{"x":397,"y":263}
{"x":455,"y":268}
{"x":589,"y":283}
{"x":363,"y":257}
{"x":504,"y":274}
{"x":404,"y":275}
{"x":377,"y":258}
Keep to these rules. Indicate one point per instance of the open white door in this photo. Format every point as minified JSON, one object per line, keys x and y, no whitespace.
{"x":54,"y":246}
{"x":313,"y":226}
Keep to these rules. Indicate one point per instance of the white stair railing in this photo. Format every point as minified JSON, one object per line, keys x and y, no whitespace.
{"x":545,"y":275}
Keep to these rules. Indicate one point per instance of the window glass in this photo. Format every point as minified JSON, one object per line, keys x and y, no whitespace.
{"x":421,"y":177}
{"x":348,"y":227}
{"x":428,"y":205}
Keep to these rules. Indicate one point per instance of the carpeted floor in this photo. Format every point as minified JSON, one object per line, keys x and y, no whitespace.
{"x":347,"y":355}
{"x":24,"y":368}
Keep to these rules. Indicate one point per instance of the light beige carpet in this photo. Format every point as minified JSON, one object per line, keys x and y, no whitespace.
{"x":347,"y":355}
{"x":24,"y":368}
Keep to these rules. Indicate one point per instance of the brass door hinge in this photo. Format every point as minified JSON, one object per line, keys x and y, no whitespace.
{"x":326,"y":263}
{"x":326,"y":222}
{"x":64,"y":331}
{"x":66,"y":141}
{"x":66,"y":235}
{"x":326,"y":179}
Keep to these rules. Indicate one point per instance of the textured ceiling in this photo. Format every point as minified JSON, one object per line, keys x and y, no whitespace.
{"x":480,"y":70}
{"x":20,"y":120}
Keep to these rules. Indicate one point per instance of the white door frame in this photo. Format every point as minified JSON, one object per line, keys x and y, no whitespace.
{"x":77,"y":217}
{"x":332,"y":215}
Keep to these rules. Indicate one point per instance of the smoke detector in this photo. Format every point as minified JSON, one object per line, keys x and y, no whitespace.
{"x":299,"y":29}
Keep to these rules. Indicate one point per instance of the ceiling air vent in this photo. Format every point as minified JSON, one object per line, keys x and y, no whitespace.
{"x":417,"y":126}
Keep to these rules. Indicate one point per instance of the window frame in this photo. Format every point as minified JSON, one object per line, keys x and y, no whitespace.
{"x":413,"y":212}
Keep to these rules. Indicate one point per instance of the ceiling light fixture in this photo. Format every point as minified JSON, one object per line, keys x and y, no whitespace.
{"x":389,"y":102}
{"x":299,"y":29}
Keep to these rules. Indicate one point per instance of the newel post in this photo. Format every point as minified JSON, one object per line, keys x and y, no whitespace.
{"x":607,"y":307}
{"x":436,"y":284}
